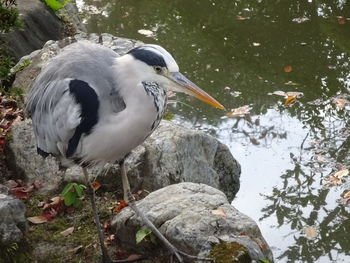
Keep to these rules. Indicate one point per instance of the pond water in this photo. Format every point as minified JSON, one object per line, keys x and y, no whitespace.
{"x":241,"y":52}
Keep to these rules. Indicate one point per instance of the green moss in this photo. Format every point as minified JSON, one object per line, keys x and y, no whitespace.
{"x":58,"y":248}
{"x":231,"y":252}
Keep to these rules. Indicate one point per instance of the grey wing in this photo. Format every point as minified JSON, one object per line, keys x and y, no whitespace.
{"x":55,"y":115}
{"x":64,"y":113}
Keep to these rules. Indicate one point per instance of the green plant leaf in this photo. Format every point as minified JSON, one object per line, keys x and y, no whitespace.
{"x":67,"y":189}
{"x":70,"y":198}
{"x":141,"y":234}
{"x":79,"y":188}
{"x":262,"y":260}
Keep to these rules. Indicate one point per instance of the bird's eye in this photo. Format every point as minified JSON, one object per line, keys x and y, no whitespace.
{"x":158,"y":69}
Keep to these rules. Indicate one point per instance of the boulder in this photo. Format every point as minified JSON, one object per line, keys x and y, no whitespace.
{"x":13,"y":222}
{"x":197,"y":219}
{"x":172,"y":154}
{"x":40,"y":24}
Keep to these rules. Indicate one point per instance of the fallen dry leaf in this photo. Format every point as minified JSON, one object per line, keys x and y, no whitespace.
{"x":336,"y":178}
{"x":67,"y":232}
{"x":120,"y":206}
{"x":95,"y":185}
{"x":220,"y":212}
{"x":239,"y":112}
{"x":37,"y":219}
{"x":310,"y":232}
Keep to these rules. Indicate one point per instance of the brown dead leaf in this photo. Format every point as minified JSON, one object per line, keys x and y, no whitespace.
{"x":37,"y":219}
{"x":288,"y":69}
{"x":220,"y":212}
{"x":95,"y":185}
{"x":120,"y":206}
{"x":239,"y":112}
{"x":346,"y":195}
{"x":310,"y":232}
{"x":67,"y":232}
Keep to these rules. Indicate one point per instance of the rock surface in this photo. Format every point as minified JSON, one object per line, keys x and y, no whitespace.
{"x":172,"y":154}
{"x":195,"y":218}
{"x":40,"y":24}
{"x":13,"y":222}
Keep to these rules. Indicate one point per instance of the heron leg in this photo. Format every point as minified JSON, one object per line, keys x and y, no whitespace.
{"x":91,"y":191}
{"x":129,"y":198}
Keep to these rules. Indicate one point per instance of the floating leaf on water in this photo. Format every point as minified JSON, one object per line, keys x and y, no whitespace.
{"x":342,"y":173}
{"x":289,"y":100}
{"x":291,"y":83}
{"x":146,"y":32}
{"x":235,"y":93}
{"x":310,"y":232}
{"x":300,"y":20}
{"x":241,"y":18}
{"x":341,"y":20}
{"x":340,"y":103}
{"x":239,"y":112}
{"x":288,"y":69}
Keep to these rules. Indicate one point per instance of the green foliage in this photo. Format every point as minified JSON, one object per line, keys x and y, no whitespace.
{"x":25,"y":63}
{"x":13,"y":253}
{"x":6,"y":63}
{"x":262,"y":260}
{"x":9,"y":16}
{"x":72,"y":194}
{"x":141,"y":234}
{"x":57,"y":4}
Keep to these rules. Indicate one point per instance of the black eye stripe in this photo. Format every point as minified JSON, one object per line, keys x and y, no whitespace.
{"x":148,"y":56}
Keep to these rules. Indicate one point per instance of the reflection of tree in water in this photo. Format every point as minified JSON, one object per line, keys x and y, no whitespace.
{"x":302,"y":200}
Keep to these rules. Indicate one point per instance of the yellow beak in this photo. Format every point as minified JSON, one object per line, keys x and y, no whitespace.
{"x":192,"y":89}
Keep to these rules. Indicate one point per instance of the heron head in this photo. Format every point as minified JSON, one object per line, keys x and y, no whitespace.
{"x":160,"y":67}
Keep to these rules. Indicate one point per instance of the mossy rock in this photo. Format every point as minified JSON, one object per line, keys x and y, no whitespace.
{"x":231,"y":252}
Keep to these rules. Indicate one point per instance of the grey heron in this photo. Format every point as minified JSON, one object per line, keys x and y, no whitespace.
{"x":90,"y":106}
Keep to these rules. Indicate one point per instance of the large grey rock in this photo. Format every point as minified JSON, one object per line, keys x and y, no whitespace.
{"x":40,"y":24}
{"x":195,"y":218}
{"x":13,"y":222}
{"x":172,"y":154}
